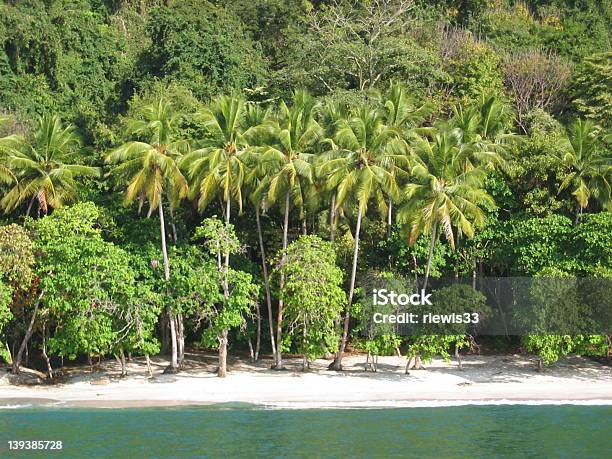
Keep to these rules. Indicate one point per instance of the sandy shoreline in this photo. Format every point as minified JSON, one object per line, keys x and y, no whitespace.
{"x":484,"y":380}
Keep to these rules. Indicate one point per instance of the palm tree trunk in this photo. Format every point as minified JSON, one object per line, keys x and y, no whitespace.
{"x":222,"y":371}
{"x":389,"y":223}
{"x":432,"y":244}
{"x":173,"y":339}
{"x":29,"y":207}
{"x":173,"y":226}
{"x":281,"y":284}
{"x":258,"y":338}
{"x":171,"y":316}
{"x":332,"y":218}
{"x":162,"y":229}
{"x":228,"y":208}
{"x":264,"y":266}
{"x":180,"y":338}
{"x":389,"y":218}
{"x":337,"y":363}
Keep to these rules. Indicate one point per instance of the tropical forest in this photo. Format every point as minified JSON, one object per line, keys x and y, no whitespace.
{"x":236,"y":176}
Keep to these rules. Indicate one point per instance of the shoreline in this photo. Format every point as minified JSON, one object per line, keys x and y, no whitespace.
{"x":7,"y":404}
{"x":485,"y":380}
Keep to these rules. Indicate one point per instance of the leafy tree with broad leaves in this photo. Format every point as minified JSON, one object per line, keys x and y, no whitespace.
{"x":312,"y":294}
{"x":6,"y":294}
{"x":239,"y":293}
{"x":204,"y":46}
{"x":18,"y":285}
{"x":193,"y":288}
{"x":429,"y":340}
{"x":591,"y":89}
{"x":89,"y":300}
{"x":377,"y":338}
{"x":560,"y":321}
{"x":355,"y":45}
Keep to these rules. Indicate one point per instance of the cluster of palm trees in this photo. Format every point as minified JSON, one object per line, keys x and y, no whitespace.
{"x":305,"y":156}
{"x":301,"y":157}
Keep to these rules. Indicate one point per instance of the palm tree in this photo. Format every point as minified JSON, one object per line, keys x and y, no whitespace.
{"x":41,"y":165}
{"x":330,"y":116}
{"x":287,"y":163}
{"x":260,"y":136}
{"x":399,"y":110}
{"x":399,"y":113}
{"x":7,"y":145}
{"x":485,"y":126}
{"x":369,"y":157}
{"x":148,"y":169}
{"x":443,"y":194}
{"x":6,"y":176}
{"x":220,"y":168}
{"x":590,"y":166}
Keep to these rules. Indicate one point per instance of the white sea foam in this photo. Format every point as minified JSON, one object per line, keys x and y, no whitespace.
{"x":374,"y":404}
{"x":16,"y":406}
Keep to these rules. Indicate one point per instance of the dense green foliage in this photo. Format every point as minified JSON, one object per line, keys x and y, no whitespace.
{"x":405,"y":141}
{"x":312,"y":294}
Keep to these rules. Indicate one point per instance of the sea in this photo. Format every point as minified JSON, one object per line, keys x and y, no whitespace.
{"x":238,"y":430}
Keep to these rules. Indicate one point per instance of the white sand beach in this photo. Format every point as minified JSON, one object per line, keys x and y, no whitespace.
{"x":483,"y":380}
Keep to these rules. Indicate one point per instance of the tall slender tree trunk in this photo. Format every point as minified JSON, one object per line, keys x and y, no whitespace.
{"x":389,"y":218}
{"x":228,"y":209}
{"x":162,"y":229}
{"x":264,"y":266}
{"x":44,"y":350}
{"x":578,"y":214}
{"x":304,"y":346}
{"x":26,"y":338}
{"x":30,"y":207}
{"x":222,"y":371}
{"x":258,"y":337}
{"x":171,"y":315}
{"x":432,"y":243}
{"x":173,"y":339}
{"x":165,"y":334}
{"x":149,"y":369}
{"x":332,"y":218}
{"x":180,"y":339}
{"x":173,"y":226}
{"x":337,"y":363}
{"x":389,"y":226}
{"x":281,"y":284}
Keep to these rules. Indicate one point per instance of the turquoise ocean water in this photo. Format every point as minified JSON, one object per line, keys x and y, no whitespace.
{"x":519,"y":431}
